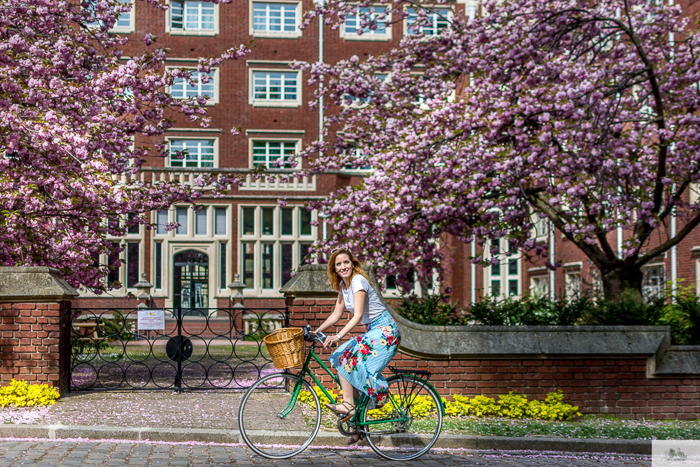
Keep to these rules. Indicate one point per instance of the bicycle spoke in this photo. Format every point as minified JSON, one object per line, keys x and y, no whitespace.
{"x":409,"y":430}
{"x":274,"y":424}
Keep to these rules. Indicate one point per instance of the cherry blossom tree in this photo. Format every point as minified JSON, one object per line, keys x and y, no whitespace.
{"x":584,"y":114}
{"x":71,"y":106}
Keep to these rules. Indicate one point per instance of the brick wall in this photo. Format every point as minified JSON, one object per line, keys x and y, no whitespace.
{"x":598,"y":386}
{"x":35,"y":343}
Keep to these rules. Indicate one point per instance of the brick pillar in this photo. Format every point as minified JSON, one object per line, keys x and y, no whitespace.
{"x":35,"y":326}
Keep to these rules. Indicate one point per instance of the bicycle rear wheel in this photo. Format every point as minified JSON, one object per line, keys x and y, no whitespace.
{"x":412,"y":435}
{"x":272,"y":424}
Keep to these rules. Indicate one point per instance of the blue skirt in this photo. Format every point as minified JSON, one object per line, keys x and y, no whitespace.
{"x":361,"y":360}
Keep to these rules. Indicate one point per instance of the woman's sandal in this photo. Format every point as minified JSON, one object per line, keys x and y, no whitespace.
{"x":349,"y":412}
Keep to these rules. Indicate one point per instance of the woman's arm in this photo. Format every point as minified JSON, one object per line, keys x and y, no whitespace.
{"x":335,"y":316}
{"x":359,"y":302}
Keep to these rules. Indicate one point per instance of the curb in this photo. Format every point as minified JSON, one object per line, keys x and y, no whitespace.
{"x":324,"y":438}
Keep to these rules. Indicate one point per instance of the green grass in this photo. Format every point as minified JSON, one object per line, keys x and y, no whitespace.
{"x":590,"y":426}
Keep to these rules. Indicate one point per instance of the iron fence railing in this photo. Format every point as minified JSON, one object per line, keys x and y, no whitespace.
{"x":199,"y":348}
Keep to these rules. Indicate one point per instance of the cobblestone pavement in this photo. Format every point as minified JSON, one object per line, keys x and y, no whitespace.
{"x":80,"y":453}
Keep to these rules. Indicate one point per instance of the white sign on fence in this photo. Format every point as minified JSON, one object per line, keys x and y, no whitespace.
{"x":151,"y":320}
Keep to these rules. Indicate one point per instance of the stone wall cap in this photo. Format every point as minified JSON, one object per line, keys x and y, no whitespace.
{"x":310,"y":280}
{"x":33,"y":284}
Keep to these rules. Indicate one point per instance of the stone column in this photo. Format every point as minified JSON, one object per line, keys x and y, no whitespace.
{"x":35,"y":326}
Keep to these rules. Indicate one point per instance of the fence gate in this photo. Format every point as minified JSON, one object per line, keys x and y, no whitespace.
{"x":200,"y":348}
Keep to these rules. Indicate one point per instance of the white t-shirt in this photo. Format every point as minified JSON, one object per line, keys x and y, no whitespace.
{"x":373,"y":306}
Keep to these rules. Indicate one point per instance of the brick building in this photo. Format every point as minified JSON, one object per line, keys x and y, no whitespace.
{"x":246,"y":232}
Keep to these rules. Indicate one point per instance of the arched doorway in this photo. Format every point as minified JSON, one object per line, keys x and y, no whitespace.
{"x":191,"y":276}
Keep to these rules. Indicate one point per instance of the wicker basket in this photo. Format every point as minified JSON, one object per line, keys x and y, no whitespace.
{"x":286,"y":347}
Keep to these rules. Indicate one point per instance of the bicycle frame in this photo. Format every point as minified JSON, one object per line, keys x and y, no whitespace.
{"x":360,"y":405}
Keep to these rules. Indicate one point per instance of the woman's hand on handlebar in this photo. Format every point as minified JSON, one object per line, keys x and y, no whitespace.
{"x":331,"y":341}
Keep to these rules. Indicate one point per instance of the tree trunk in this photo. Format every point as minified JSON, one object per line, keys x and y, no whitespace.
{"x":624,"y":281}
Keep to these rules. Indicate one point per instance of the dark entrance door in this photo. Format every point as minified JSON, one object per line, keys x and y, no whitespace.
{"x":191,"y":282}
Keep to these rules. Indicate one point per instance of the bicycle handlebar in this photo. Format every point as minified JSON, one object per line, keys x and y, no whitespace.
{"x":313,"y":337}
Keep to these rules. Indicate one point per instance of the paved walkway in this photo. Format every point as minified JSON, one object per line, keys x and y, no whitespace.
{"x":49,"y":453}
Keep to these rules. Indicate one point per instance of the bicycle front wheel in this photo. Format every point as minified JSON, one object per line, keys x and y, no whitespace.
{"x":409,"y":424}
{"x":277,"y":419}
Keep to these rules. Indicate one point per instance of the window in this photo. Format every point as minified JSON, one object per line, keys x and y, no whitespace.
{"x":572,"y":285}
{"x":275,"y":241}
{"x":268,"y":226}
{"x":653,"y":281}
{"x":540,"y":228}
{"x":503,"y":277}
{"x":200,"y":152}
{"x":353,"y":28}
{"x":125,"y":20}
{"x":275,"y":88}
{"x":200,"y":222}
{"x":159,"y":265}
{"x":182,"y":218}
{"x":161,"y":221}
{"x":113,"y":275}
{"x":248,"y":254}
{"x":364,"y":99}
{"x":268,"y":258}
{"x":539,"y":286}
{"x":222,"y":266}
{"x":132,"y":264}
{"x":304,"y":222}
{"x":193,"y":16}
{"x":437,"y":20}
{"x":267,"y":152}
{"x":286,"y":221}
{"x":131,"y":227}
{"x":276,"y":19}
{"x":286,"y":252}
{"x":181,"y":88}
{"x":248,"y":221}
{"x":220,"y":221}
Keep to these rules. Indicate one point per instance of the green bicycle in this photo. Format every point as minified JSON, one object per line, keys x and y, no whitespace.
{"x":280,"y":415}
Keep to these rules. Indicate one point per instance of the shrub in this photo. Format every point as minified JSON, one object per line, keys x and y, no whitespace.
{"x":435,"y":310}
{"x":509,"y":406}
{"x":23,"y":394}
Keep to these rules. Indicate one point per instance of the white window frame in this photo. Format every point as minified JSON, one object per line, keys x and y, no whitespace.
{"x":191,"y":32}
{"x":277,"y":239}
{"x":268,"y":102}
{"x":274,"y":34}
{"x":132,"y":23}
{"x":504,"y":275}
{"x":119,"y":29}
{"x":358,"y":103}
{"x":169,"y":138}
{"x":213,"y":100}
{"x":536,"y":290}
{"x":407,"y":31}
{"x":297,"y":149}
{"x":657,"y":289}
{"x":573,"y":283}
{"x":370,"y":35}
{"x":540,"y":228}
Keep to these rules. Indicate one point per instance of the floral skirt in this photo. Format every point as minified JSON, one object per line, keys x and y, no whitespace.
{"x":361,"y":360}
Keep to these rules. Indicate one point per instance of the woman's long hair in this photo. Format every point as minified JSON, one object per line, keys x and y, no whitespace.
{"x":333,"y":276}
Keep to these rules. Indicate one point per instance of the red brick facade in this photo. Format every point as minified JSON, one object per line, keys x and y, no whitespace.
{"x":35,"y":343}
{"x":618,"y":387}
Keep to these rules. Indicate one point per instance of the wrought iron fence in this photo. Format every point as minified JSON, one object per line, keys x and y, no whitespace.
{"x":218,"y":348}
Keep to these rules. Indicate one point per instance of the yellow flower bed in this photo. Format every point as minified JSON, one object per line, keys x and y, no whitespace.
{"x":509,"y":406}
{"x":23,"y":394}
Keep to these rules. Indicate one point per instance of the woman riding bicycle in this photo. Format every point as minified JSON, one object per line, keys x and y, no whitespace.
{"x":360,"y":361}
